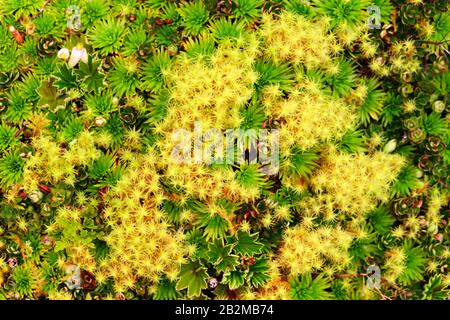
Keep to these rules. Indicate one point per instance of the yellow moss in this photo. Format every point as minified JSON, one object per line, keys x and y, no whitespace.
{"x":276,"y":289}
{"x":38,"y":123}
{"x":355,"y":182}
{"x":134,"y":215}
{"x":46,"y":165}
{"x":435,"y":202}
{"x":82,"y":150}
{"x":311,"y":117}
{"x":293,"y":38}
{"x":409,"y":106}
{"x":368,"y":49}
{"x":399,"y":232}
{"x":210,"y":91}
{"x":60,"y":295}
{"x":347,"y":34}
{"x":394,"y":264}
{"x":403,"y":58}
{"x":306,"y":250}
{"x":378,"y":67}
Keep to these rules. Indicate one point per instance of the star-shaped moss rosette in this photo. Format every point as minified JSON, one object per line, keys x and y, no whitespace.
{"x":92,"y":93}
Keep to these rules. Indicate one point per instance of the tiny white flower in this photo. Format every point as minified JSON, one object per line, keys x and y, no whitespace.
{"x":36,"y":196}
{"x":78,"y":53}
{"x":64,"y":54}
{"x":100,"y":121}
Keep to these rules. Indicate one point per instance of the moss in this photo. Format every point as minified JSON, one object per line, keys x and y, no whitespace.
{"x":324,"y":149}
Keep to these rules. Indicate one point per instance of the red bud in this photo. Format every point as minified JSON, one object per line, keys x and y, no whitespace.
{"x":23,"y":194}
{"x":44,"y":188}
{"x":16,"y":34}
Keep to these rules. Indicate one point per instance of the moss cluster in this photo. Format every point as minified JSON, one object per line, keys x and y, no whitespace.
{"x":96,"y":95}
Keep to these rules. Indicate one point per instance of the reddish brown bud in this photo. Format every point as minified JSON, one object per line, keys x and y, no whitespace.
{"x":23,"y":194}
{"x":44,"y":188}
{"x":16,"y":34}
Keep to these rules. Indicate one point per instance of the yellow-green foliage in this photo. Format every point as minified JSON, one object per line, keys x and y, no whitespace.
{"x":208,"y":184}
{"x":310,"y":117}
{"x":355,"y":182}
{"x":47,"y":164}
{"x":69,"y":222}
{"x":208,"y":92}
{"x":97,"y":139}
{"x":402,"y":60}
{"x":276,"y":289}
{"x":211,"y":90}
{"x":3,"y":270}
{"x":52,"y":164}
{"x":306,"y":249}
{"x":403,"y":57}
{"x":347,"y":34}
{"x":82,"y":150}
{"x":394,"y":263}
{"x":433,"y":215}
{"x":141,"y":242}
{"x":295,"y":39}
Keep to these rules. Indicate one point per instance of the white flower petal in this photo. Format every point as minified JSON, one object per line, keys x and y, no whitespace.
{"x":63,"y":54}
{"x":75,"y":56}
{"x":84,"y":56}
